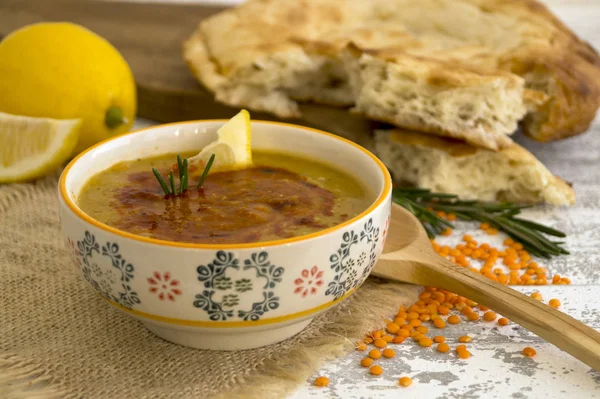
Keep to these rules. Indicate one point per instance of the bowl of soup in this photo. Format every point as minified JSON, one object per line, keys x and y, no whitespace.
{"x":247,"y":260}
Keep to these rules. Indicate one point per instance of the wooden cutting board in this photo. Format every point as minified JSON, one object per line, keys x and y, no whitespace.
{"x":150,"y":38}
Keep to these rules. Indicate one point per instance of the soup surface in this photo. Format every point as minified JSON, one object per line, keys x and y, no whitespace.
{"x":281,"y":196}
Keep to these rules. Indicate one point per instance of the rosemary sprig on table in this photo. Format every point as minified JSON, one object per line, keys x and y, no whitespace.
{"x":182,"y":167}
{"x":424,"y":204}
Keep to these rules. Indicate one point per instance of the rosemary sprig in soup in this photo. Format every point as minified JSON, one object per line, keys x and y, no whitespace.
{"x":171,"y":189}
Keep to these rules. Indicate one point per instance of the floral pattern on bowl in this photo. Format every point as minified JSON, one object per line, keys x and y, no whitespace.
{"x":229,"y":291}
{"x":228,"y":288}
{"x":226,"y":297}
{"x":354,"y":260}
{"x":107,"y":271}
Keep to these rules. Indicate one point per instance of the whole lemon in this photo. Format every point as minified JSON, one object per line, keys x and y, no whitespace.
{"x":64,"y":71}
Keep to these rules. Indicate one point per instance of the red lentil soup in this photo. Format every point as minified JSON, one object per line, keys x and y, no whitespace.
{"x":280,"y":196}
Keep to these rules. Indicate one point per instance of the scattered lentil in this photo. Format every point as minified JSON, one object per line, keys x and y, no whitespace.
{"x":389,"y":353}
{"x":366,"y":362}
{"x":489,"y":316}
{"x":403,"y":333}
{"x":392,"y":328}
{"x":398,"y":339}
{"x":418,"y":336}
{"x":529,"y":352}
{"x":415,"y":322}
{"x":322,"y":381}
{"x":405,"y":381}
{"x":422,"y":329}
{"x":443,"y":347}
{"x":554,"y":303}
{"x":536,"y":295}
{"x":519,"y":268}
{"x":439,"y":323}
{"x":473,"y":316}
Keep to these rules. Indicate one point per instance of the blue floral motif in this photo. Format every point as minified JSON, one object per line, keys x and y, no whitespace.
{"x":103,"y":280}
{"x":214,"y":277}
{"x":269,"y":302}
{"x":214,"y":309}
{"x":264,"y":268}
{"x":345,"y":266}
{"x":223,"y":260}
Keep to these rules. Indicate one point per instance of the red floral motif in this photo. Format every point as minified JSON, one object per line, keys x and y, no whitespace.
{"x":164,"y":286}
{"x":73,"y":252}
{"x":385,"y":229}
{"x":311,"y":279}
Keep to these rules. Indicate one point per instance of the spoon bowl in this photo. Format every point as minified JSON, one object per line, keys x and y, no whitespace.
{"x":409,"y":257}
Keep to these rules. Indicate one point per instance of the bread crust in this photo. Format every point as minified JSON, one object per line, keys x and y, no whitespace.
{"x":512,"y":174}
{"x":522,"y":37}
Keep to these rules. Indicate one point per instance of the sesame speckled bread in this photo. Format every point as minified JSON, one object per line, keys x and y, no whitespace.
{"x":269,"y":54}
{"x":450,"y":166}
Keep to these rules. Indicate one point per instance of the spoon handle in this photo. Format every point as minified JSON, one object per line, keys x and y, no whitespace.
{"x":424,"y":267}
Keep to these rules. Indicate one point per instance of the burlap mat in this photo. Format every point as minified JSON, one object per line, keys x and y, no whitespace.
{"x":59,"y":339}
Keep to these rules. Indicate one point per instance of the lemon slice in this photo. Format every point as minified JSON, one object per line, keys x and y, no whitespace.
{"x":32,"y":147}
{"x":233,"y":148}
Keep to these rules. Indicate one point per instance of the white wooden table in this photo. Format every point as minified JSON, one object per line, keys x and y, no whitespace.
{"x":497,"y":369}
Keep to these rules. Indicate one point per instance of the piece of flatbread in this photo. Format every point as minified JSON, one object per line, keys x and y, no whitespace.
{"x":454,"y":167}
{"x":268,"y":54}
{"x":439,"y":97}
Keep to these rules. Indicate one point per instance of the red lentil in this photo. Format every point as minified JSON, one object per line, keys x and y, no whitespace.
{"x":389,"y":353}
{"x":405,"y":381}
{"x":489,"y":316}
{"x":529,"y":352}
{"x":322,"y":381}
{"x":443,"y":347}
{"x":398,"y":339}
{"x":366,"y":362}
{"x":554,"y":303}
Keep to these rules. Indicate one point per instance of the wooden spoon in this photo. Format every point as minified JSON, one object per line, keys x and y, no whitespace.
{"x":409,"y":257}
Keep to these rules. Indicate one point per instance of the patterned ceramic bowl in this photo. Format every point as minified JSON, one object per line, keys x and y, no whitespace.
{"x":226,"y":297}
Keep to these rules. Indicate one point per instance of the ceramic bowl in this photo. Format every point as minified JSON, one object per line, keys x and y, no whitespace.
{"x":226,"y":297}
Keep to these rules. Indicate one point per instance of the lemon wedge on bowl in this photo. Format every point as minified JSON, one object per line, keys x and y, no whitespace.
{"x":32,"y":147}
{"x":233,"y":148}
